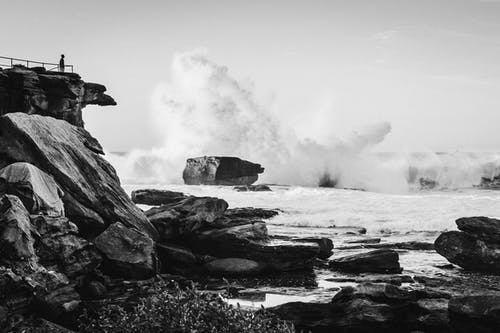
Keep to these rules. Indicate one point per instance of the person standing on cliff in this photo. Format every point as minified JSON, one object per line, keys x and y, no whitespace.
{"x":61,"y":63}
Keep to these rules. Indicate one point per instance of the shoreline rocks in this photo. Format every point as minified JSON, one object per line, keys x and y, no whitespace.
{"x":220,"y":170}
{"x":377,"y":261}
{"x":476,"y":247}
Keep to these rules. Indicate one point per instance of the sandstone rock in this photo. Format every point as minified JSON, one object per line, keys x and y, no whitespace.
{"x":128,"y":252}
{"x":55,"y":94}
{"x":220,"y":170}
{"x":469,"y":252}
{"x":377,"y":261}
{"x":249,"y":241}
{"x":253,"y":188}
{"x":233,"y":267}
{"x":59,"y":246}
{"x":250,"y":213}
{"x":478,"y":313}
{"x":182,"y":218}
{"x":482,"y":227}
{"x":16,"y":242}
{"x":490,"y":183}
{"x":37,"y":190}
{"x":156,"y":197}
{"x":169,"y":254}
{"x":93,"y":196}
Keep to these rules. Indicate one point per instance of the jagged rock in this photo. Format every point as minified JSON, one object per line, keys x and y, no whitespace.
{"x":234,"y":267}
{"x":478,"y":313}
{"x":252,"y":188}
{"x":55,"y":94}
{"x":128,"y":252}
{"x":16,"y":242}
{"x":93,"y":197}
{"x":156,"y":197}
{"x":378,"y":261}
{"x":220,"y":170}
{"x":184,"y":217}
{"x":427,"y":183}
{"x":37,"y":190}
{"x":370,"y":308}
{"x":490,"y":183}
{"x":476,"y":247}
{"x":469,"y":252}
{"x":58,"y":245}
{"x":482,"y":227}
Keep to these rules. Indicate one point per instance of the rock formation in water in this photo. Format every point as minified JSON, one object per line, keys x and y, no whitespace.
{"x":476,"y":247}
{"x":55,"y":94}
{"x":220,"y":170}
{"x":490,"y":183}
{"x":201,"y":235}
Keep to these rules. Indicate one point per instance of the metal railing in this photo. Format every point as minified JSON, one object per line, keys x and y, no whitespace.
{"x":11,"y":62}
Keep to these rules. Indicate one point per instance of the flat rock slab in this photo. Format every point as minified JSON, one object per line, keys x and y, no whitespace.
{"x":378,"y":261}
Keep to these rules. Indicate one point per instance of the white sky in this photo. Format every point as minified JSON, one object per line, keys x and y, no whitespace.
{"x":430,"y":68}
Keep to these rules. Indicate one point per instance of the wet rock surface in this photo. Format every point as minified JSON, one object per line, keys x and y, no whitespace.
{"x":476,"y":247}
{"x":377,"y":261}
{"x":253,"y":188}
{"x":220,"y":170}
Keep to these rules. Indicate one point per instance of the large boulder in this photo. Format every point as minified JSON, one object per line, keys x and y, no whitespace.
{"x":378,"y":261}
{"x":128,"y":252}
{"x":55,"y":94}
{"x":184,"y":216}
{"x":220,"y":170}
{"x":476,"y":247}
{"x":37,"y":190}
{"x":93,"y":197}
{"x":155,"y":197}
{"x":16,"y":242}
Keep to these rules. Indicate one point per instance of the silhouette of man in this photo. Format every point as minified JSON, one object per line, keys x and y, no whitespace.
{"x":61,"y":63}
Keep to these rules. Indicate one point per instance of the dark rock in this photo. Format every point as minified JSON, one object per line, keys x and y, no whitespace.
{"x":326,"y":180}
{"x":220,"y":170}
{"x":37,"y":190}
{"x":170,"y":254}
{"x":469,"y":252}
{"x":427,"y":183}
{"x":364,"y":241}
{"x":93,"y":196}
{"x":411,"y":245}
{"x":369,"y":308}
{"x":490,"y":183}
{"x":250,"y":242}
{"x":59,"y":95}
{"x":182,"y":218}
{"x":347,"y":230}
{"x":156,"y":197}
{"x":250,"y":213}
{"x":16,"y":242}
{"x":252,"y":188}
{"x":478,"y":313}
{"x":128,"y":252}
{"x":234,"y":267}
{"x":59,"y":246}
{"x":482,"y":227}
{"x":325,"y":245}
{"x":377,"y":261}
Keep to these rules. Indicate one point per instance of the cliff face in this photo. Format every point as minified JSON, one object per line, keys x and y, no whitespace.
{"x":55,"y":94}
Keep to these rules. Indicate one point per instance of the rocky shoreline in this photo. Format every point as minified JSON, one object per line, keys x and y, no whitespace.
{"x":71,"y":239}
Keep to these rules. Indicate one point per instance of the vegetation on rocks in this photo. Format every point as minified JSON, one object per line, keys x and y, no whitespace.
{"x":178,"y":310}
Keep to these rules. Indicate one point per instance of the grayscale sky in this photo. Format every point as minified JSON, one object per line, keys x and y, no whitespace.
{"x":429,"y":67}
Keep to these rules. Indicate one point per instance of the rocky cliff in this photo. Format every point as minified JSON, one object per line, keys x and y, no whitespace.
{"x":55,"y":94}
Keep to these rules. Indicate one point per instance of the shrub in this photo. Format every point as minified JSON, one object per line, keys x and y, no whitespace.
{"x":176,"y":310}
